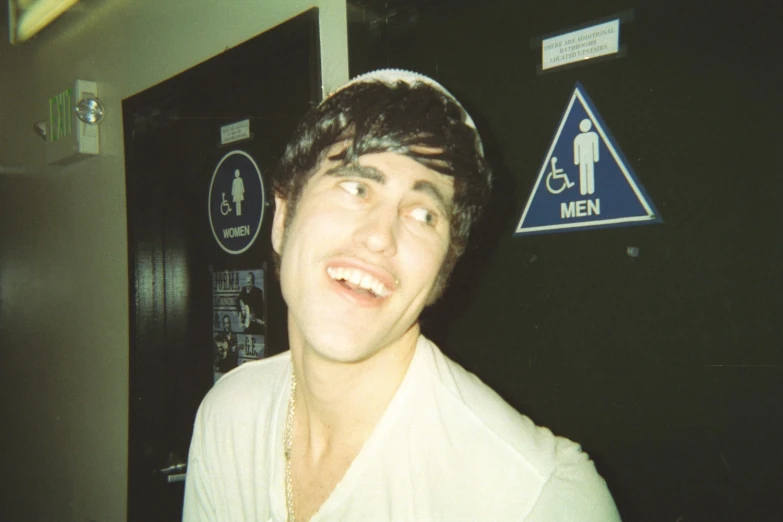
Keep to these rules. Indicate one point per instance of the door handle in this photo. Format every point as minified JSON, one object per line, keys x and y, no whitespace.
{"x":175,"y":472}
{"x":174,"y":468}
{"x":177,"y":477}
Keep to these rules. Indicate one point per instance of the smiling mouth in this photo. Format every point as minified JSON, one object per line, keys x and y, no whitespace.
{"x":358,"y":281}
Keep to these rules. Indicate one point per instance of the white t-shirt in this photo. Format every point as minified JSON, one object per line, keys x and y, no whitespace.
{"x":447,"y":448}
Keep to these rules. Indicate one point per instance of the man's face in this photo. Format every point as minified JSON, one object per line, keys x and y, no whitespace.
{"x":361,"y":256}
{"x":249,"y":282}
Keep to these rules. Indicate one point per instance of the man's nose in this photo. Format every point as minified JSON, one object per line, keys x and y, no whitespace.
{"x":378,"y":230}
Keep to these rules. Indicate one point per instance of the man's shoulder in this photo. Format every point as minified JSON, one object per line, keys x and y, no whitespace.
{"x":498,"y":432}
{"x":251,"y":387}
{"x":478,"y":407}
{"x":552,"y":470}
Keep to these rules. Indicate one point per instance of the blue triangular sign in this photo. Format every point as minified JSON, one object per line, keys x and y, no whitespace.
{"x":585,"y":181}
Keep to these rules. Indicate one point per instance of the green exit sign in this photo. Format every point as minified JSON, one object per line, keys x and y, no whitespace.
{"x":68,"y":138}
{"x":60,"y":114}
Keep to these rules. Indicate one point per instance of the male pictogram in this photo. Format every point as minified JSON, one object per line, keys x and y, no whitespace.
{"x":585,"y":155}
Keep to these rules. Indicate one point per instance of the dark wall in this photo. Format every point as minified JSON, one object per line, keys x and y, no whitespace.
{"x":666,"y":366}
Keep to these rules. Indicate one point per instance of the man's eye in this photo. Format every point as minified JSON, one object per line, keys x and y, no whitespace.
{"x":424,"y":216}
{"x":355,"y":188}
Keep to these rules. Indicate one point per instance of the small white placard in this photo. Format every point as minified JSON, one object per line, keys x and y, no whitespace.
{"x":591,"y":42}
{"x":235,"y":132}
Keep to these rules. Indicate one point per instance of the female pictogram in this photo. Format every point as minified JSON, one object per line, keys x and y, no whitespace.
{"x":238,"y":192}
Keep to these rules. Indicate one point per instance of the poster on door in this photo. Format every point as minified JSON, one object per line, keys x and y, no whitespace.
{"x":238,"y":318}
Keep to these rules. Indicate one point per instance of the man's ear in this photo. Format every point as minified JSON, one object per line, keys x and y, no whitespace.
{"x":278,"y":223}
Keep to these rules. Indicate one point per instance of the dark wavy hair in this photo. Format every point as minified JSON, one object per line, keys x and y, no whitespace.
{"x":417,"y":121}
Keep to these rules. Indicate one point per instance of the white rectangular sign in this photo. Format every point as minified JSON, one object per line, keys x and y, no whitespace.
{"x":235,"y":132}
{"x":591,"y":42}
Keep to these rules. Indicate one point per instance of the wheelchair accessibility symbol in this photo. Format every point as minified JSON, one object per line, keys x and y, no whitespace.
{"x":225,"y":206}
{"x":557,"y":175}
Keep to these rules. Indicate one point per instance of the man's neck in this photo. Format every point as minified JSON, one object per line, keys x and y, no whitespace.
{"x":338,"y":404}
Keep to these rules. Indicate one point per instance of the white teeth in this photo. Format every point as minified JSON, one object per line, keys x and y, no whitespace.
{"x":358,"y":278}
{"x":376,"y":288}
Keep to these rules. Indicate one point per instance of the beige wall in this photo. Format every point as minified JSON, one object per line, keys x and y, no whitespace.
{"x":63,"y":252}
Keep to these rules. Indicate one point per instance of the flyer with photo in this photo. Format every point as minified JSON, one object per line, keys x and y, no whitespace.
{"x":239,"y":317}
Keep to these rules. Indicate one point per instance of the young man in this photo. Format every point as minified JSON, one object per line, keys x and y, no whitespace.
{"x":364,"y":418}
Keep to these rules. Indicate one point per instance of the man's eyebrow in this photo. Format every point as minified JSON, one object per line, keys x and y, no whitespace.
{"x":356,"y":170}
{"x":424,"y":186}
{"x":435,"y":193}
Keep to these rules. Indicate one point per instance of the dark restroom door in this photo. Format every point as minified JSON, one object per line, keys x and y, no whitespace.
{"x":172,"y":147}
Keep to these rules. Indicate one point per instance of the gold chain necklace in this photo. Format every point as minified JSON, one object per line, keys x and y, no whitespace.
{"x":289,"y":442}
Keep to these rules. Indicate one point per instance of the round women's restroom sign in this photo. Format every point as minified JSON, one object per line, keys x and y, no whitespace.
{"x":236,"y":202}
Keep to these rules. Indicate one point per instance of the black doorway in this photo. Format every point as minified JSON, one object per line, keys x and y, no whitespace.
{"x":172,"y":146}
